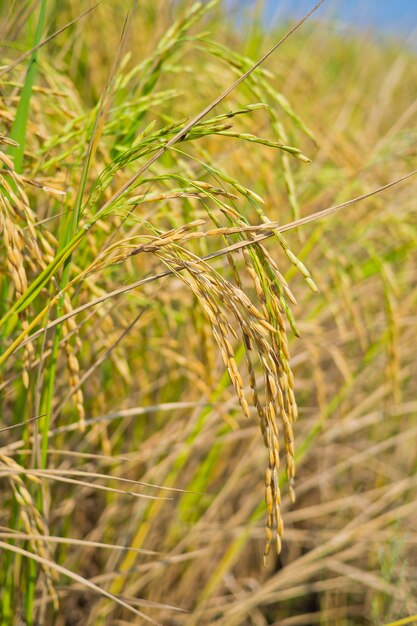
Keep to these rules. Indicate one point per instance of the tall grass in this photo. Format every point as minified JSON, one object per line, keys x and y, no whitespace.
{"x":175,"y":295}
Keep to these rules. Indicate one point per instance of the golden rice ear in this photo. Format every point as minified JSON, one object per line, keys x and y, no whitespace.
{"x":262,"y":336}
{"x":20,"y":239}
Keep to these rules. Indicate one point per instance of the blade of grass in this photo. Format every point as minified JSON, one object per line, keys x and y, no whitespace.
{"x":18,"y":131}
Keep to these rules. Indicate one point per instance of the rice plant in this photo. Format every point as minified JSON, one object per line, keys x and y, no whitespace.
{"x":207,"y":319}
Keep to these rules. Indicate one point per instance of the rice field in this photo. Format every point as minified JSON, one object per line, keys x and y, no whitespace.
{"x":207,"y":319}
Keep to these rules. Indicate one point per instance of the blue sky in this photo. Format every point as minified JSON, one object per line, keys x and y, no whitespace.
{"x":390,"y":17}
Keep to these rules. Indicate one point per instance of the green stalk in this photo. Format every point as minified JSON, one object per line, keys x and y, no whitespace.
{"x":19,"y":128}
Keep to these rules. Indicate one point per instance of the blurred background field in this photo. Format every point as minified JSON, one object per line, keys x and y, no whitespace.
{"x":141,"y":476}
{"x":388,"y":18}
